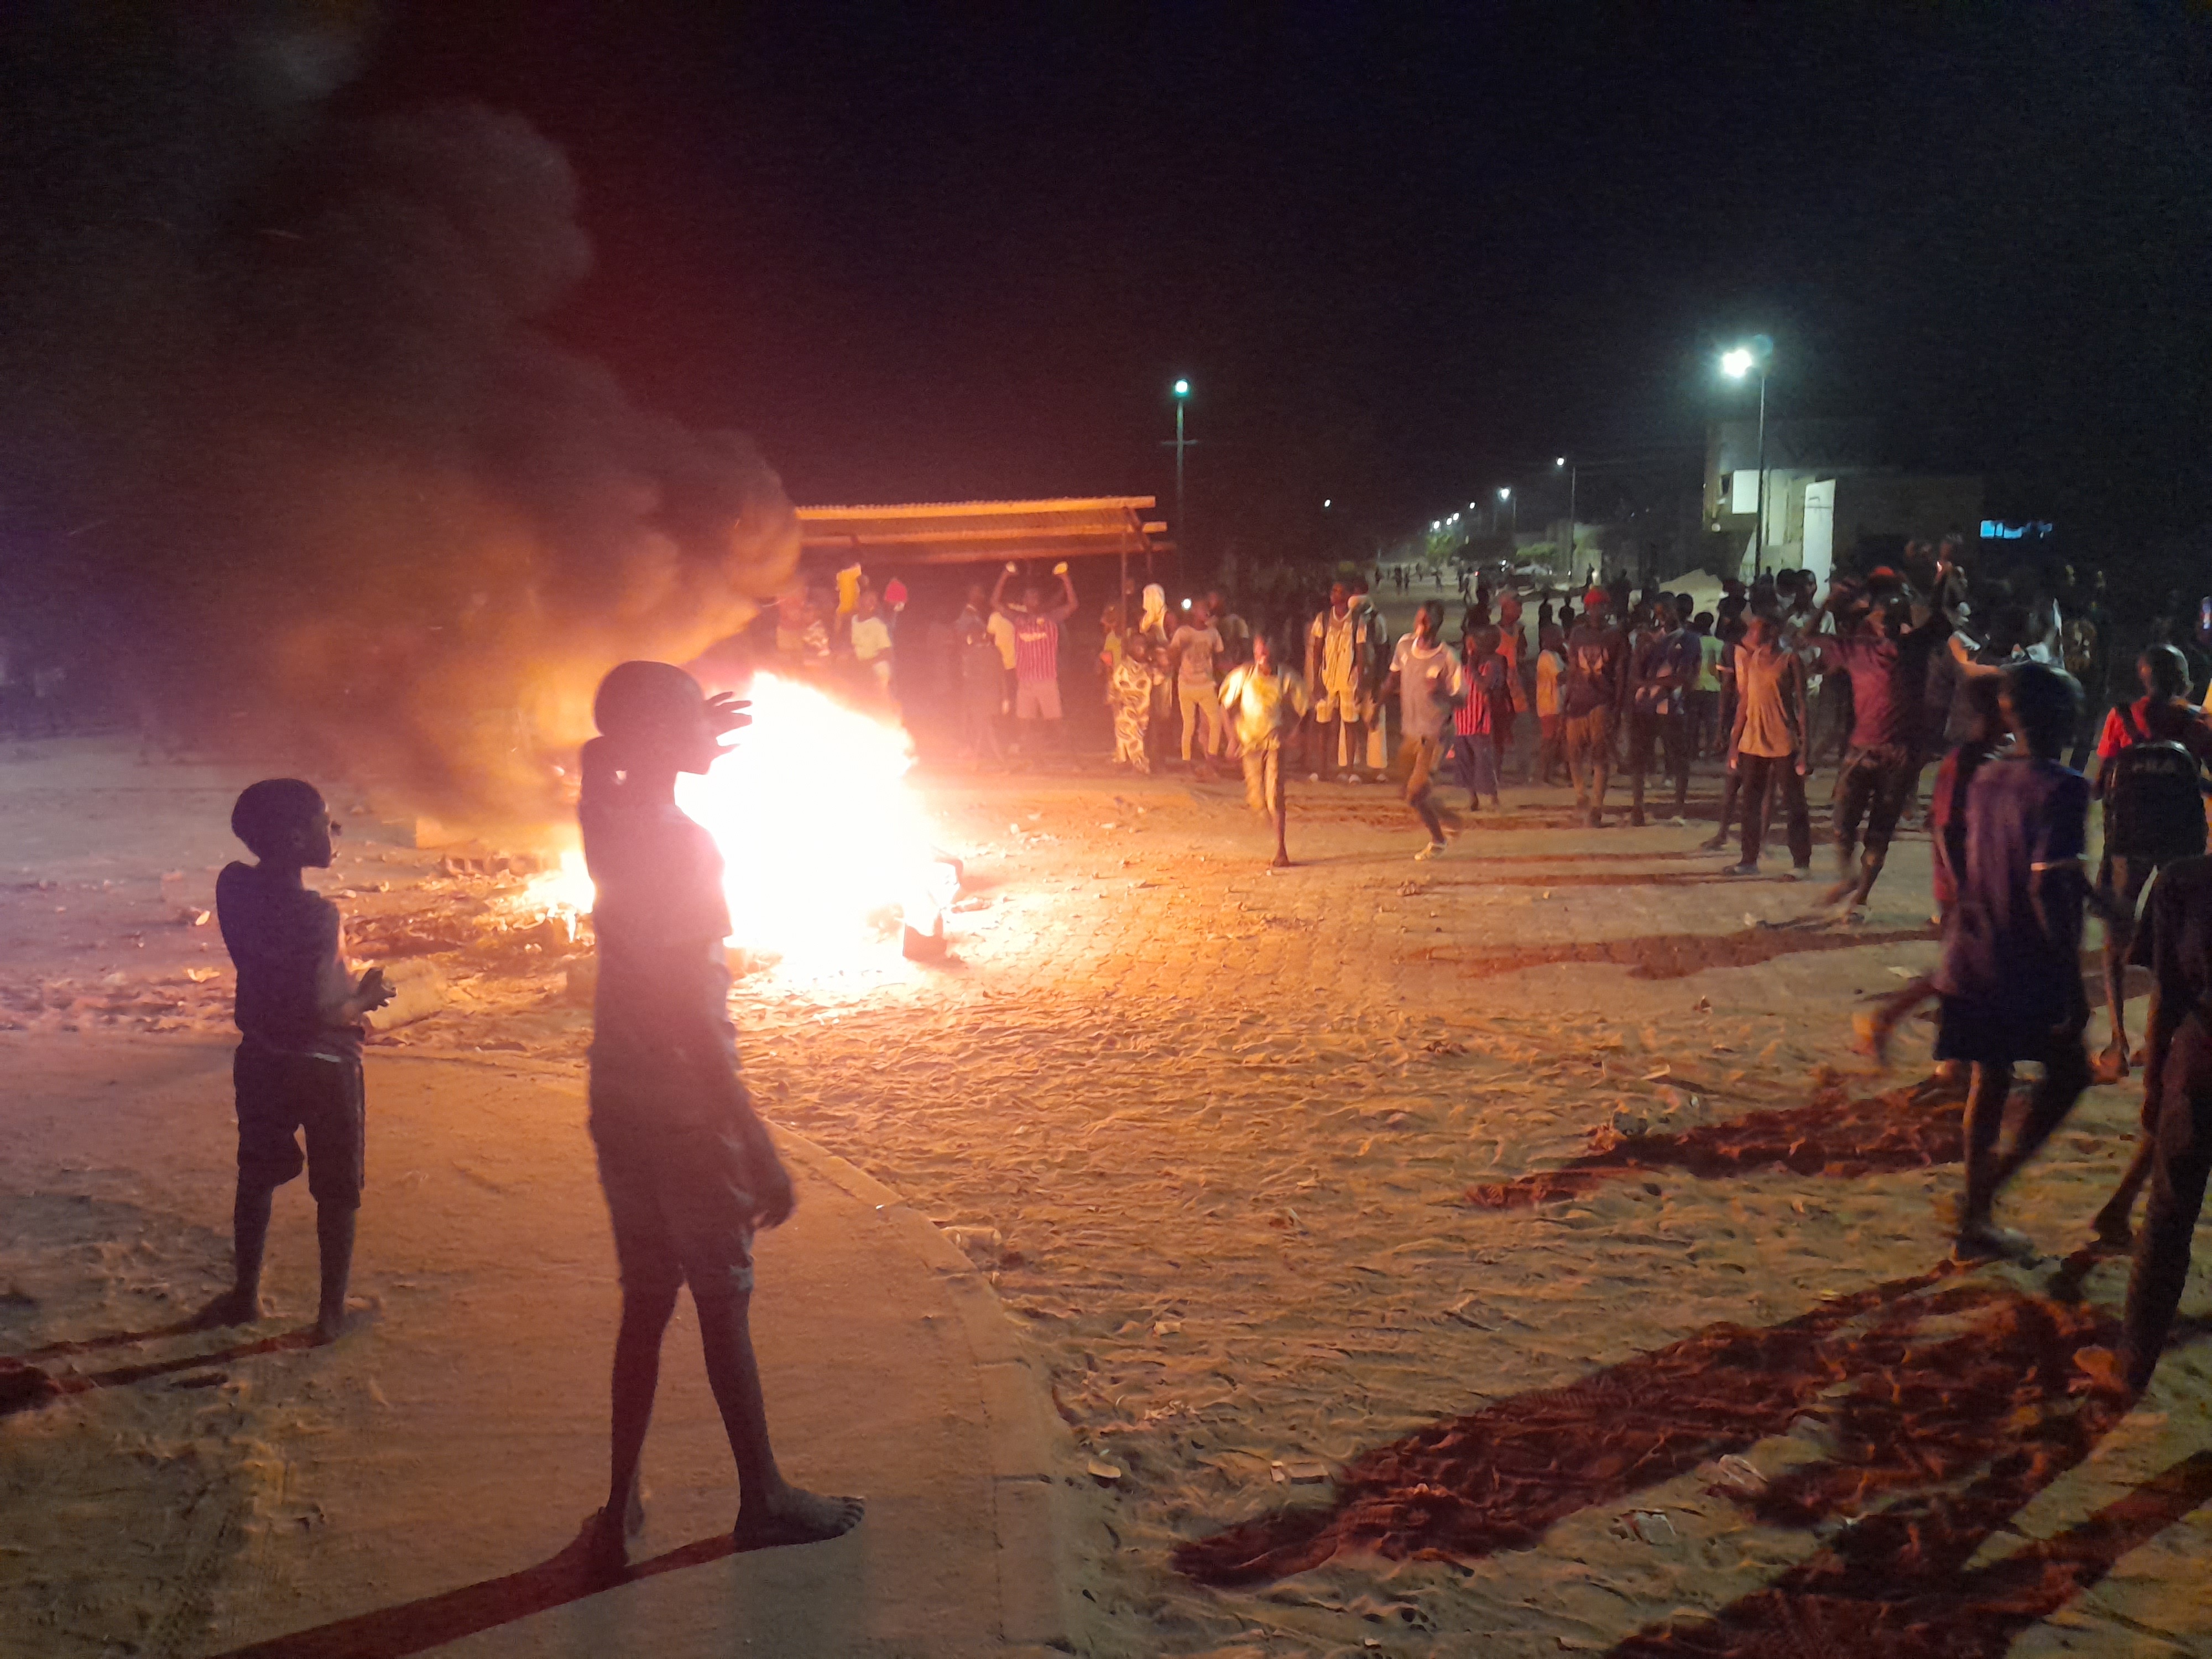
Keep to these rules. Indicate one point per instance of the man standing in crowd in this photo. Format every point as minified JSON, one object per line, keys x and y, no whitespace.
{"x":2150,"y":758}
{"x":1425,"y":672}
{"x":1701,"y":703}
{"x":1766,"y":755}
{"x":1886,"y":658}
{"x":1037,"y":656}
{"x":1195,"y":646}
{"x":2175,"y":943}
{"x":1596,"y":658}
{"x":1340,"y":657}
{"x":1662,"y":667}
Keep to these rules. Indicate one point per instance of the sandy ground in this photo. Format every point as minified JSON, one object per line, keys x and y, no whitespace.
{"x":1226,"y":1139}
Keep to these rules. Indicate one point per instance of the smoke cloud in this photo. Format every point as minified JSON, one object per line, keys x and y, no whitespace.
{"x":286,"y":452}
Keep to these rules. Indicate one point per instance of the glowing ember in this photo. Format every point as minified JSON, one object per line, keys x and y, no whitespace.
{"x":564,"y":891}
{"x":821,"y":836}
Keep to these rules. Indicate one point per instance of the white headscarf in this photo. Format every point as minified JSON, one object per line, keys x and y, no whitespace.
{"x":1156,"y":606}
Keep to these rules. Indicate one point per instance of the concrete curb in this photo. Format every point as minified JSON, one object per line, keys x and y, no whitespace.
{"x":1022,"y":1426}
{"x":1029,"y":1508}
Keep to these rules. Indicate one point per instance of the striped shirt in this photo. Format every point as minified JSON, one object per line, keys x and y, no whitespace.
{"x":1036,"y":649}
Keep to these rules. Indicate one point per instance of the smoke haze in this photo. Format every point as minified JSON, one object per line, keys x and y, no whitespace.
{"x":285,"y":451}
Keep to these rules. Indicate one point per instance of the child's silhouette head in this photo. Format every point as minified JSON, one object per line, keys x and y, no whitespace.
{"x":283,"y":821}
{"x":653,"y":716}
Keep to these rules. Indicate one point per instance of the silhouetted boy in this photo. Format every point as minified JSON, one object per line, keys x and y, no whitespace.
{"x":2011,"y":972}
{"x":688,"y":1171}
{"x":298,"y":1065}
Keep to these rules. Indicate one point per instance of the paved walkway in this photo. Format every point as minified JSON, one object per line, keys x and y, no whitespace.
{"x":415,"y":1488}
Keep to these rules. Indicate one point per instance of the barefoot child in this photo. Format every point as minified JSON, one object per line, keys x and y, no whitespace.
{"x":1264,"y":702}
{"x":298,"y":1065}
{"x":688,"y":1171}
{"x":2011,"y":972}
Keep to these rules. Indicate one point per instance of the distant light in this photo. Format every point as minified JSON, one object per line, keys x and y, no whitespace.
{"x":1470,"y":507}
{"x":1562,"y":461}
{"x":1183,"y":388}
{"x":1435,"y":524}
{"x":1186,"y":604}
{"x":1504,"y":491}
{"x":1737,"y":363}
{"x":1326,"y":504}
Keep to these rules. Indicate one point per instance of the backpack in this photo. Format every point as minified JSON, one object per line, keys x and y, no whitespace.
{"x":2153,"y":804}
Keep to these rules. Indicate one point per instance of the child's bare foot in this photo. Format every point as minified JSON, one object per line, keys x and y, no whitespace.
{"x":2103,"y":1372}
{"x":607,"y":1536}
{"x":334,"y":1323}
{"x":2111,"y":1064}
{"x":2111,"y":1229}
{"x":794,"y":1516}
{"x":1986,"y":1241}
{"x":1281,"y":862}
{"x":232,"y":1306}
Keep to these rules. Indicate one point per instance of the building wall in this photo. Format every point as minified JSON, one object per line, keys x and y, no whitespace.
{"x":1885,"y":508}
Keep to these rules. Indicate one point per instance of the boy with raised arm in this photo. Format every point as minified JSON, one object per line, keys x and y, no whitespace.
{"x":688,"y":1171}
{"x":298,"y":1065}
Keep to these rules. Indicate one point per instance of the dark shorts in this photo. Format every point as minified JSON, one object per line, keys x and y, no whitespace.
{"x":677,"y":1187}
{"x":280,"y":1096}
{"x":1984,"y":1034}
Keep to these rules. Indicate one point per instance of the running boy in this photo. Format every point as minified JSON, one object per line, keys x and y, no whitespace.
{"x":2011,"y":971}
{"x":688,"y":1169}
{"x":1264,"y":703}
{"x":1426,"y":676}
{"x":298,"y":1065}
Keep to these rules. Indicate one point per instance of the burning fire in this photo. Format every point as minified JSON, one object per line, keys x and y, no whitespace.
{"x":821,"y":835}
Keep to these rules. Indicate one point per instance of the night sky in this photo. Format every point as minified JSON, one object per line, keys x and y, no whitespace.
{"x":1405,"y":253}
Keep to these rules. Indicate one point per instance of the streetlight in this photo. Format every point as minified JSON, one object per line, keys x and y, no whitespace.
{"x":1735,"y":363}
{"x":1181,"y":390}
{"x":1505,"y":496}
{"x":1574,"y":473}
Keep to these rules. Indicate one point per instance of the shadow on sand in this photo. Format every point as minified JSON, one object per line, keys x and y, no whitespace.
{"x":434,"y":1620}
{"x":1947,"y":1406}
{"x":1909,"y":1128}
{"x":1669,"y":956}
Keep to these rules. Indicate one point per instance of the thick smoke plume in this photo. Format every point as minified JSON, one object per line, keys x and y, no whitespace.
{"x":286,"y":453}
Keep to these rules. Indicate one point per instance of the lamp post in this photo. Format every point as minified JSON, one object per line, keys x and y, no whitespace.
{"x":1573,"y":470}
{"x":1505,"y":495}
{"x":1181,"y":390}
{"x":1735,"y":364}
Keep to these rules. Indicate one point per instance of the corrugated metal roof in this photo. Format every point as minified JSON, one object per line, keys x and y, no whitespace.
{"x":959,"y":532}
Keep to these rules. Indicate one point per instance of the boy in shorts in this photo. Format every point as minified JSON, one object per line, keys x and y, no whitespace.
{"x":298,"y":1065}
{"x":2011,"y":971}
{"x":688,"y":1171}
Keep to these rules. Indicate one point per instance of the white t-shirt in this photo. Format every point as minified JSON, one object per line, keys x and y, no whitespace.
{"x":871,"y":637}
{"x":1427,"y":682}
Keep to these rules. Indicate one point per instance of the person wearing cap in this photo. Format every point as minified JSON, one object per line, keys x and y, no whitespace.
{"x":688,"y":1171}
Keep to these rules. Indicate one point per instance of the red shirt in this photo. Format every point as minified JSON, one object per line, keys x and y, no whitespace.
{"x":2163,"y":722}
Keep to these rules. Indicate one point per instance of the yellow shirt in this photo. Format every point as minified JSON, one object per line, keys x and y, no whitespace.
{"x":1262,"y":708}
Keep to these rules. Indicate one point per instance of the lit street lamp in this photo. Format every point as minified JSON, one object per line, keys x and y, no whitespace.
{"x":1181,"y":390}
{"x":1735,"y":363}
{"x":1574,"y":479}
{"x":1505,"y":496}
